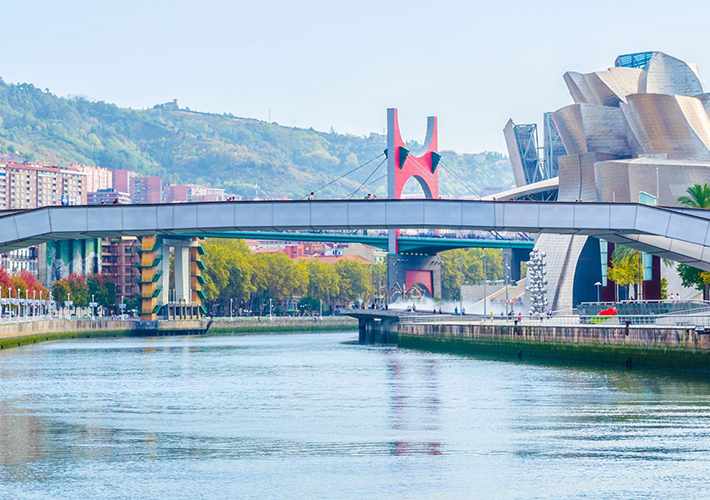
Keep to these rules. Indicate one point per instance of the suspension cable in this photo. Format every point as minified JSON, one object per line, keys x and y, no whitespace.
{"x":367,"y":179}
{"x":346,"y":173}
{"x":424,"y":170}
{"x":451,"y":171}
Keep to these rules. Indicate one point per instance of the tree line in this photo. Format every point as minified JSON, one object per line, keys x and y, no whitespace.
{"x":80,"y":289}
{"x":235,"y":276}
{"x":250,"y":281}
{"x":22,"y":285}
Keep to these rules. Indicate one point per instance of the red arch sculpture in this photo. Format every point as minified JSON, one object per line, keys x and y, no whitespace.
{"x":402,"y":165}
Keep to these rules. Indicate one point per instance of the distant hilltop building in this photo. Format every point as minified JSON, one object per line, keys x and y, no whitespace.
{"x":168,"y":105}
{"x":636,"y":132}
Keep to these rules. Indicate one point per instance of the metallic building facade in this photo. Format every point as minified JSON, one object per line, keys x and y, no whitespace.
{"x":638,"y":129}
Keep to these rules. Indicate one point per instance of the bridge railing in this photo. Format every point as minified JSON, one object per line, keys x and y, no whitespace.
{"x":699,"y":321}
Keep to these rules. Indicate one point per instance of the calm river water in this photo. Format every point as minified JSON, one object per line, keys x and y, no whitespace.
{"x":309,"y":416}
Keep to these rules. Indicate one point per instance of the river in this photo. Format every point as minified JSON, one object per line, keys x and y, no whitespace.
{"x":311,"y":416}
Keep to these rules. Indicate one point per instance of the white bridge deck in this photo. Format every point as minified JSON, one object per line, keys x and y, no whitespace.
{"x":683,"y":236}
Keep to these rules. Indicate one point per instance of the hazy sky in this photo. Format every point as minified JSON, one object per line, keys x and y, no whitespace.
{"x":341,"y":64}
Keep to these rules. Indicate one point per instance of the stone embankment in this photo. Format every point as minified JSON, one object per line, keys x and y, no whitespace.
{"x":676,"y":348}
{"x":14,"y":333}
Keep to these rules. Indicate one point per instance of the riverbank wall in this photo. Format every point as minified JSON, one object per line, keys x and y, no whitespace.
{"x":672,"y":348}
{"x":14,"y":334}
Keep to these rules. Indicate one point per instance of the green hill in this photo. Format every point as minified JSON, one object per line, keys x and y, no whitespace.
{"x":245,"y":156}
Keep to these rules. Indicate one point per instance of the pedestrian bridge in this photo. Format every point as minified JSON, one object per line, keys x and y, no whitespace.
{"x":676,"y":234}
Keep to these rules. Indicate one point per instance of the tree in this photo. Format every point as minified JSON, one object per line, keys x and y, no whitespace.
{"x":229,"y":272}
{"x":471,"y":266}
{"x":664,"y":288}
{"x":61,"y":291}
{"x":698,"y":197}
{"x":33,"y":285}
{"x":323,"y":282}
{"x":692,"y":277}
{"x":626,"y":271}
{"x":378,"y":280}
{"x":5,"y":282}
{"x":284,"y":277}
{"x":103,"y":290}
{"x":75,"y":285}
{"x":354,"y":280}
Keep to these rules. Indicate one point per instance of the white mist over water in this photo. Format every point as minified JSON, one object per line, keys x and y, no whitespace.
{"x":427,"y":305}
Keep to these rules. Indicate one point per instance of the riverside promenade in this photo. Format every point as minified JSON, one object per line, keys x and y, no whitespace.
{"x":674,"y":342}
{"x":669,"y":347}
{"x":16,"y":333}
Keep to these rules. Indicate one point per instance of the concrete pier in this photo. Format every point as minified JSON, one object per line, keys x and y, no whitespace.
{"x":668,"y":347}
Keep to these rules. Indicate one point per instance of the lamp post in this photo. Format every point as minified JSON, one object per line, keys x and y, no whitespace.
{"x":598,"y":285}
{"x":459,"y":260}
{"x":231,"y":302}
{"x":507,"y":275}
{"x":485,"y":279}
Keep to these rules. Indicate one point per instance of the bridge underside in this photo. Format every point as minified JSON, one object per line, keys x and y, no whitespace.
{"x":668,"y":233}
{"x":421,"y":245}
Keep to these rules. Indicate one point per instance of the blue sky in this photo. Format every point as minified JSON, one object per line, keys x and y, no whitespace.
{"x":341,"y":64}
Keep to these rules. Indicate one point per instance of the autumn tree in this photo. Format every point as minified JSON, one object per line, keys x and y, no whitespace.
{"x":626,"y":271}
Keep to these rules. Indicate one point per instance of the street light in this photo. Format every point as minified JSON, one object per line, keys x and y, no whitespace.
{"x":459,"y":260}
{"x":485,"y":278}
{"x":598,"y":285}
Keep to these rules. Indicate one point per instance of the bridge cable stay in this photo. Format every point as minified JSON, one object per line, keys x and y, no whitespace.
{"x":375,"y":180}
{"x":496,"y":234}
{"x":346,"y":173}
{"x":451,"y":171}
{"x":366,"y":179}
{"x":425,"y":170}
{"x":475,"y":192}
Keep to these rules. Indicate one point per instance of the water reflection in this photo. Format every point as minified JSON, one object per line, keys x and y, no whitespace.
{"x":406,"y":403}
{"x":304,"y":416}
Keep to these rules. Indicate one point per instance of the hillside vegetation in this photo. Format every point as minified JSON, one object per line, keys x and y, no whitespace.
{"x":246,"y":156}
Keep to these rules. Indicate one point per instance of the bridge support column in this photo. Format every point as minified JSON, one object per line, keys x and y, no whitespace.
{"x":196,"y":279}
{"x":182,"y":274}
{"x":151,"y":273}
{"x":404,"y":271}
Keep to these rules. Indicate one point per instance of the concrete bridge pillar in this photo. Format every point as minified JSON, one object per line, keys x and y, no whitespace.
{"x":155,"y":278}
{"x":182,"y":274}
{"x":405,"y":271}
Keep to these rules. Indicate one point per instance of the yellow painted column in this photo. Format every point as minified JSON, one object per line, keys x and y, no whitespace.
{"x":149,"y":277}
{"x":196,"y":279}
